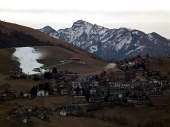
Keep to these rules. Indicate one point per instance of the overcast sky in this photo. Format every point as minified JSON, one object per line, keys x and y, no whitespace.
{"x":145,"y":15}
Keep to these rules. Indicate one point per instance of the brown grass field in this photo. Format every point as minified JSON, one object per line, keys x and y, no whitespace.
{"x":58,"y":121}
{"x":100,"y":118}
{"x":135,"y":116}
{"x":43,"y":101}
{"x":159,"y":64}
{"x":52,"y":56}
{"x":160,"y":100}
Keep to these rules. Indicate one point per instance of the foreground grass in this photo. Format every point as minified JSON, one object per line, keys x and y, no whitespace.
{"x":107,"y":117}
{"x":4,"y":110}
{"x":6,"y":123}
{"x":134,"y":116}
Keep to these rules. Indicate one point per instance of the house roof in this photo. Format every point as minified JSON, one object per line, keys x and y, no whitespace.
{"x":63,"y":110}
{"x":64,"y":89}
{"x":26,"y":117}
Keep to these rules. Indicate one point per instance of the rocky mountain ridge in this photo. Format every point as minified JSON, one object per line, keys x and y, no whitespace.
{"x":111,"y":43}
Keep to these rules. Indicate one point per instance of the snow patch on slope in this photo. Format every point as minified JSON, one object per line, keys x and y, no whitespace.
{"x":151,"y":38}
{"x":93,"y":49}
{"x":138,"y":49}
{"x":27,"y":57}
{"x":130,"y":52}
{"x":135,"y":32}
{"x":110,"y":65}
{"x":123,"y":41}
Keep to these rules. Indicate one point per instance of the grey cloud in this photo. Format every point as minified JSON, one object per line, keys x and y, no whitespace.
{"x":123,"y":13}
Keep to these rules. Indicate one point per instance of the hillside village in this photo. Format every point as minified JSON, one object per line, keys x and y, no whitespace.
{"x":130,"y":84}
{"x":47,"y":82}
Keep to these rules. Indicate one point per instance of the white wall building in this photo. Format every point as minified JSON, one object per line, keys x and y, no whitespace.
{"x":27,"y":95}
{"x":95,"y":83}
{"x":63,"y":112}
{"x":76,"y":84}
{"x":42,"y":93}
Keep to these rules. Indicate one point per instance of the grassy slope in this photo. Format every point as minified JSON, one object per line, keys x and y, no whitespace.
{"x":56,"y":54}
{"x":134,"y":116}
{"x":160,"y":100}
{"x":58,"y":121}
{"x":160,"y":64}
{"x":52,"y":56}
{"x":6,"y":62}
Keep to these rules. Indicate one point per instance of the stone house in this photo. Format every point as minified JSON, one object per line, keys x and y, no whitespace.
{"x":85,"y":84}
{"x":93,"y":91}
{"x":94,"y":84}
{"x":76,"y":84}
{"x":114,"y":85}
{"x":27,"y":95}
{"x":70,"y":110}
{"x":64,"y":91}
{"x":63,"y":112}
{"x":75,"y":59}
{"x":25,"y":119}
{"x":79,"y":100}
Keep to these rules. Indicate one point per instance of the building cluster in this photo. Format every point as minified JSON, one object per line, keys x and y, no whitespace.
{"x":23,"y":114}
{"x":67,"y":110}
{"x":131,"y":84}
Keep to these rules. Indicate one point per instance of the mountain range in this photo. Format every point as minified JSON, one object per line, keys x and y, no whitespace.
{"x":111,"y":43}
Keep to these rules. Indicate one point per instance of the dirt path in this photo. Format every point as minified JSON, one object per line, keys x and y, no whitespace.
{"x":55,"y":65}
{"x":11,"y":120}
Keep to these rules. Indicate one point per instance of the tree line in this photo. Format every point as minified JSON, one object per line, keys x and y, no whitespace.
{"x":20,"y":39}
{"x":43,"y":86}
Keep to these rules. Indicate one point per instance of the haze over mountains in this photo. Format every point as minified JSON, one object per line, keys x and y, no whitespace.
{"x":111,"y":43}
